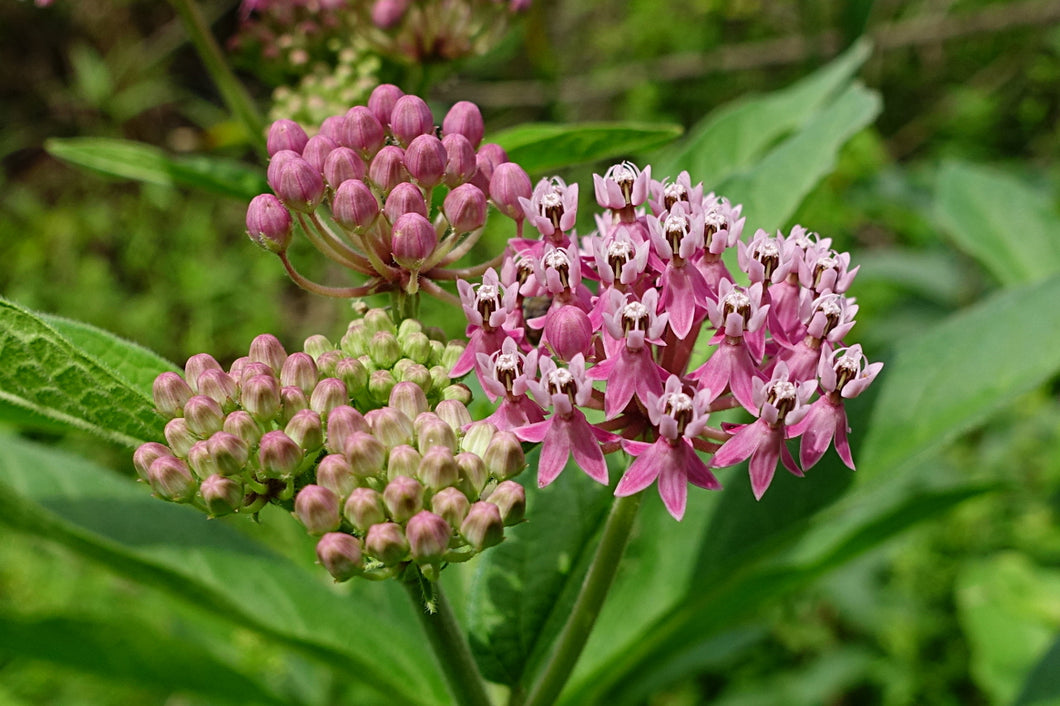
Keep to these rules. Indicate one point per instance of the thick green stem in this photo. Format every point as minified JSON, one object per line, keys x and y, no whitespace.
{"x":232,"y":91}
{"x":448,"y":642}
{"x":571,"y":641}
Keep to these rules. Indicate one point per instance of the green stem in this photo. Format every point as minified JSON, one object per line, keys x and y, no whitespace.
{"x":232,"y":91}
{"x":571,"y":641}
{"x":448,"y":642}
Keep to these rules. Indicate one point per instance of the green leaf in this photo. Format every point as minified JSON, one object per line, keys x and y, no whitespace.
{"x":129,"y":651}
{"x":732,"y":138}
{"x":1042,"y":687}
{"x":367,"y":633}
{"x":955,"y":375}
{"x":139,"y":161}
{"x":523,"y":589}
{"x":44,"y":372}
{"x":543,"y":147}
{"x":1012,"y":231}
{"x":773,"y":188}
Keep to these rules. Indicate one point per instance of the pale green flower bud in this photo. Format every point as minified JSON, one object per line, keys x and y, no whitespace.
{"x":504,"y":456}
{"x":390,"y":426}
{"x":317,"y":508}
{"x":327,"y":364}
{"x":380,"y":385}
{"x":243,"y":426}
{"x":477,"y":438}
{"x":354,"y":342}
{"x":451,"y":505}
{"x":336,"y":474}
{"x":203,"y":415}
{"x":459,"y":392}
{"x":366,"y":454}
{"x":352,"y":372}
{"x":340,"y":554}
{"x":317,"y":345}
{"x":453,"y":351}
{"x":416,"y":346}
{"x":327,"y":395}
{"x":440,"y":377}
{"x":483,"y":526}
{"x":171,"y":479}
{"x":404,"y":461}
{"x":438,"y":469}
{"x":432,"y":431}
{"x":387,"y":543}
{"x":455,"y":414}
{"x":306,"y":430}
{"x":230,"y":451}
{"x":510,"y":499}
{"x":437,"y":351}
{"x":179,"y":437}
{"x":222,"y":496}
{"x":403,"y":498}
{"x":414,"y":373}
{"x":376,"y":320}
{"x":384,"y":350}
{"x":408,"y":326}
{"x":473,"y":474}
{"x":364,"y":508}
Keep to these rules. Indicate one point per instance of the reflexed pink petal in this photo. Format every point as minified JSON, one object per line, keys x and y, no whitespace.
{"x":743,"y":443}
{"x":741,"y":376}
{"x":534,"y":432}
{"x":842,"y":446}
{"x":788,"y":461}
{"x":673,"y":489}
{"x":554,"y":453}
{"x":698,"y":472}
{"x":586,"y":449}
{"x":714,"y":374}
{"x":621,"y":385}
{"x":763,"y":465}
{"x":640,"y":474}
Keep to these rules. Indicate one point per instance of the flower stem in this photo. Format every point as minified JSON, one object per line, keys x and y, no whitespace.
{"x":568,"y":646}
{"x":232,"y":91}
{"x":448,"y":642}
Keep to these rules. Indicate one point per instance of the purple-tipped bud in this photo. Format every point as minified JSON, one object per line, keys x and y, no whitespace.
{"x":299,"y":186}
{"x":366,"y":454}
{"x":222,"y":496}
{"x":504,"y":456}
{"x":454,"y":413}
{"x":286,"y":135}
{"x":317,"y":150}
{"x":299,"y":370}
{"x":334,"y":128}
{"x":201,"y":462}
{"x":267,"y":349}
{"x":241,"y":425}
{"x":492,"y":156}
{"x":230,"y":452}
{"x":416,"y":346}
{"x":362,"y":132}
{"x":464,"y":118}
{"x":387,"y":543}
{"x":459,"y":392}
{"x":432,"y":431}
{"x":250,"y":369}
{"x":316,"y":345}
{"x":404,"y":461}
{"x":203,"y":415}
{"x":384,"y":349}
{"x":335,"y":474}
{"x":465,"y":208}
{"x":478,"y":438}
{"x":483,"y":526}
{"x":473,"y":474}
{"x":413,"y":241}
{"x":353,"y":372}
{"x":317,"y":508}
{"x":354,"y":206}
{"x":428,"y":536}
{"x":171,"y":479}
{"x":510,"y":499}
{"x":327,"y":395}
{"x":438,"y":469}
{"x":380,"y":384}
{"x":425,"y":158}
{"x":342,"y":423}
{"x":196,"y":366}
{"x":390,"y":426}
{"x":387,"y":14}
{"x":220,"y":387}
{"x":382,"y":101}
{"x":403,"y":497}
{"x":327,"y":362}
{"x":146,"y":455}
{"x":410,"y":118}
{"x":276,"y":164}
{"x":460,"y":162}
{"x":568,"y":331}
{"x":342,"y":164}
{"x":170,"y":393}
{"x":387,"y":169}
{"x":406,"y":197}
{"x":451,"y":505}
{"x":409,"y":398}
{"x":508,"y":184}
{"x":292,"y":401}
{"x":279,"y":455}
{"x":306,"y":430}
{"x":340,"y":554}
{"x":261,"y":397}
{"x":364,"y":508}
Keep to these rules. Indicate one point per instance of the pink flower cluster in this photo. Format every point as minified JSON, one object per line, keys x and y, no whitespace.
{"x":626,"y":305}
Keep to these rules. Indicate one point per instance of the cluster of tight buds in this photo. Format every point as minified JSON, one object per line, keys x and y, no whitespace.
{"x":369,"y":443}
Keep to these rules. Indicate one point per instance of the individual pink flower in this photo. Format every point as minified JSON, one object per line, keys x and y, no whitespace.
{"x":781,"y":402}
{"x":664,"y":194}
{"x":620,"y":259}
{"x":488,"y":307}
{"x":672,"y":459}
{"x":623,"y":187}
{"x":506,"y":377}
{"x":677,"y":238}
{"x":552,"y":208}
{"x":827,"y":319}
{"x":825,"y":270}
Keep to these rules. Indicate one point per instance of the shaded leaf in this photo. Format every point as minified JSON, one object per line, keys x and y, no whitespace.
{"x":1042,"y":687}
{"x":541,"y":147}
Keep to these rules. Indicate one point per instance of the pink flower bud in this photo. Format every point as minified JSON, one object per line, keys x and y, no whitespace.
{"x":387,"y":169}
{"x":413,"y":240}
{"x":404,"y":461}
{"x":317,"y":150}
{"x":203,"y":415}
{"x":473,"y":473}
{"x":454,"y":413}
{"x":438,"y":469}
{"x":390,"y":426}
{"x":201,"y":462}
{"x":299,"y":185}
{"x":279,"y":455}
{"x":406,"y":197}
{"x":568,"y":331}
{"x":306,"y":430}
{"x":286,"y":135}
{"x":292,"y":401}
{"x":362,"y":132}
{"x":334,"y":128}
{"x":460,"y":163}
{"x":240,"y":424}
{"x":251,"y":369}
{"x":403,"y":497}
{"x":410,"y":118}
{"x":508,"y":184}
{"x":387,"y":14}
{"x":354,"y":206}
{"x":510,"y":499}
{"x":382,"y":101}
{"x":170,"y":393}
{"x":343,"y":421}
{"x":327,"y":395}
{"x":409,"y":398}
{"x":317,"y":508}
{"x":364,"y":508}
{"x":267,"y":349}
{"x":451,"y":505}
{"x":464,"y":118}
{"x":366,"y":454}
{"x":342,"y":164}
{"x":222,"y":496}
{"x":171,"y":479}
{"x":428,"y":536}
{"x":196,"y":366}
{"x":335,"y":474}
{"x":483,"y":526}
{"x":230,"y":452}
{"x":425,"y":159}
{"x":504,"y":457}
{"x":491,"y":156}
{"x":387,"y":543}
{"x":299,"y":370}
{"x":465,"y":208}
{"x":276,"y":164}
{"x":269,"y":223}
{"x":340,"y":554}
{"x":261,"y":397}
{"x":432,"y":431}
{"x":146,"y":454}
{"x":221,"y":387}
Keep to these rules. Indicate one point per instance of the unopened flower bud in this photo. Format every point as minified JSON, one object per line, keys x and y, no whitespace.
{"x":438,"y":469}
{"x":299,"y":370}
{"x":439,"y":377}
{"x":569,"y":331}
{"x":409,"y":398}
{"x":508,"y":184}
{"x":230,"y":452}
{"x":171,"y":479}
{"x":317,"y":150}
{"x":380,"y":385}
{"x":510,"y":499}
{"x":483,"y":526}
{"x":428,"y":536}
{"x":249,"y":369}
{"x":327,"y":395}
{"x":451,"y":505}
{"x":201,"y":461}
{"x":222,"y":496}
{"x":334,"y":127}
{"x":403,"y":497}
{"x":286,"y":135}
{"x":316,"y":345}
{"x":342,"y":423}
{"x":504,"y":456}
{"x":354,"y":206}
{"x":465,"y":208}
{"x":279,"y":455}
{"x":410,"y":118}
{"x":220,"y":387}
{"x":341,"y":165}
{"x":300,"y":186}
{"x":404,"y":461}
{"x":317,"y":508}
{"x":366,"y":454}
{"x":146,"y":454}
{"x":387,"y":14}
{"x":473,"y":474}
{"x":390,"y":426}
{"x":458,"y":392}
{"x":416,"y":345}
{"x":362,"y":132}
{"x":455,"y":414}
{"x":306,"y":430}
{"x":203,"y":415}
{"x":490,"y":156}
{"x":276,"y":164}
{"x":412,"y":241}
{"x":478,"y":437}
{"x":425,"y":159}
{"x":292,"y":401}
{"x":335,"y":474}
{"x":387,"y":543}
{"x":340,"y":554}
{"x":431,"y":431}
{"x":376,"y":320}
{"x":241,"y":425}
{"x":387,"y":169}
{"x":267,"y":349}
{"x":414,"y":373}
{"x":353,"y":373}
{"x":170,"y":393}
{"x":197,"y":365}
{"x":406,"y":197}
{"x":269,"y":223}
{"x":460,"y":163}
{"x":382,"y":101}
{"x":261,"y":397}
{"x":327,"y":361}
{"x":364,"y":508}
{"x":464,"y":118}
{"x":451,"y":354}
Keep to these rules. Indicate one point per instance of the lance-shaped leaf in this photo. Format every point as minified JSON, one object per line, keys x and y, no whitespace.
{"x":541,"y":147}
